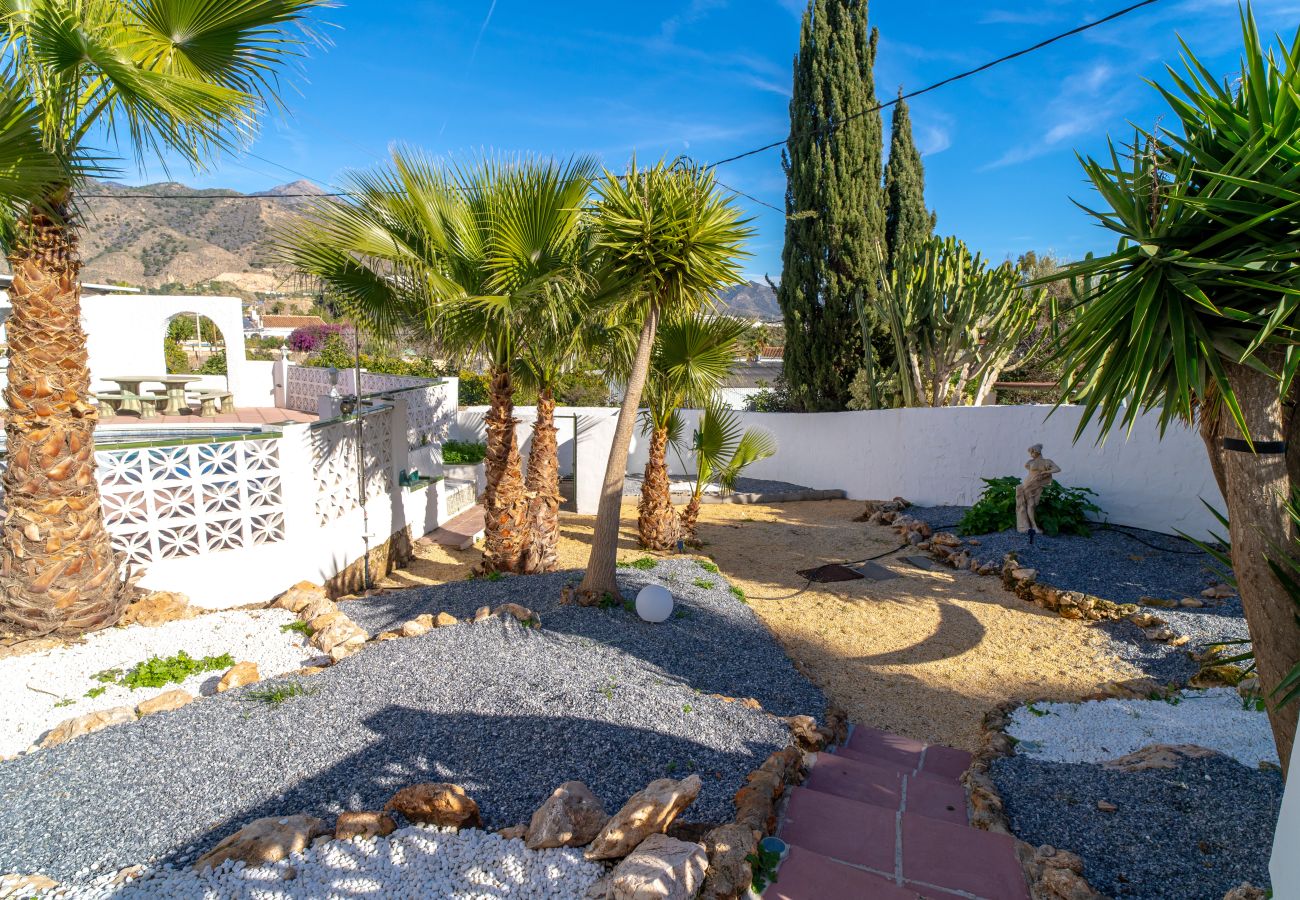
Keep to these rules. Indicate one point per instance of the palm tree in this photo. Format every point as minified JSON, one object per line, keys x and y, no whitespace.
{"x":187,"y":77}
{"x":1197,"y":313}
{"x":478,"y":255}
{"x":670,"y":233}
{"x":562,"y":340}
{"x":692,"y":357}
{"x":722,"y":451}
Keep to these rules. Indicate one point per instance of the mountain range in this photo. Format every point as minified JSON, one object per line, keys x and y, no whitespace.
{"x":174,"y":235}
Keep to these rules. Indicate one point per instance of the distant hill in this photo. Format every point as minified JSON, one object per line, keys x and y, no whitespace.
{"x":202,"y":235}
{"x":206,"y":235}
{"x":755,"y":300}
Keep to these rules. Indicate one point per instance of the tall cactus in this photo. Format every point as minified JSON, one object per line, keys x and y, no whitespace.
{"x":956,"y":323}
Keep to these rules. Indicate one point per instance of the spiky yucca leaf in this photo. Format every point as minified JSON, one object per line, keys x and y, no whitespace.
{"x":1208,"y":228}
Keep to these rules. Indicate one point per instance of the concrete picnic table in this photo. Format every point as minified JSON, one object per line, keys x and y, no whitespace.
{"x":174,"y":384}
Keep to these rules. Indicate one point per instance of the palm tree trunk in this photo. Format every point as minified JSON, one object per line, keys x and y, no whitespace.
{"x":1258,"y":490}
{"x":657,"y":522}
{"x":543,"y":489}
{"x":690,"y":516}
{"x":504,"y":501}
{"x":600,"y":579}
{"x":58,"y":571}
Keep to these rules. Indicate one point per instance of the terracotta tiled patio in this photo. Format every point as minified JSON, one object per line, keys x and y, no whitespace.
{"x":885,"y":817}
{"x":250,"y":415}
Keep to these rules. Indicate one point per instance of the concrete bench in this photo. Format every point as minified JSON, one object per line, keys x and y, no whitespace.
{"x":211,"y":401}
{"x":111,"y":403}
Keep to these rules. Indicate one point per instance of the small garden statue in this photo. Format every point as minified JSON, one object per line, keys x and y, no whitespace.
{"x":1030,"y":490}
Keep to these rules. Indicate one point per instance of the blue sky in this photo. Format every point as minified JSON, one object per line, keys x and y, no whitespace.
{"x":710,"y":78}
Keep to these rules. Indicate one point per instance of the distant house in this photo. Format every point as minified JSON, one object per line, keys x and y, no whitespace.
{"x":277,"y":326}
{"x":749,"y":378}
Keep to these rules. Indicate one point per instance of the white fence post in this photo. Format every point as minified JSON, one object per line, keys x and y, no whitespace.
{"x":280,"y":378}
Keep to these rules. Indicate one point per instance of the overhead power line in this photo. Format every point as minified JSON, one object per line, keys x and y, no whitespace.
{"x":830,"y":127}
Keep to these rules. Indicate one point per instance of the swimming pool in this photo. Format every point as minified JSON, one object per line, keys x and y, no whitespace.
{"x":111,"y":436}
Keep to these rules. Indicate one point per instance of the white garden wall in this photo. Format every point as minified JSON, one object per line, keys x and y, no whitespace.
{"x":938,"y":456}
{"x":592,"y":427}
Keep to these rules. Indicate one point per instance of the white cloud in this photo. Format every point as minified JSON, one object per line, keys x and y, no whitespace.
{"x":932,"y":139}
{"x":1087,"y":101}
{"x":697,"y":10}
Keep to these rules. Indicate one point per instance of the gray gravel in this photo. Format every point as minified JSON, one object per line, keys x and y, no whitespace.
{"x":1113,"y":564}
{"x":505,"y":711}
{"x":632,"y":486}
{"x":1188,"y":833}
{"x":714,"y":641}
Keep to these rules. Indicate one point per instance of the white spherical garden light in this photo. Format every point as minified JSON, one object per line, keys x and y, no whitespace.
{"x":654,"y":603}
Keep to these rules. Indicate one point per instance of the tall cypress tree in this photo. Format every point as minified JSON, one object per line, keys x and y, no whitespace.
{"x":907,"y":221}
{"x":835,"y":205}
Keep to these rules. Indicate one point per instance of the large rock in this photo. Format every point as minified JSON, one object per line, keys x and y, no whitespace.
{"x":730,"y":872}
{"x":19,"y":887}
{"x":417,"y":626}
{"x":76,"y":727}
{"x":571,"y":817}
{"x":297,"y":598}
{"x":337,"y":631}
{"x":1246,"y":891}
{"x":522,"y":613}
{"x":165,"y":702}
{"x":1158,"y":756}
{"x":441,"y":804}
{"x":649,"y":811}
{"x":264,"y":841}
{"x":238,"y":675}
{"x":444,"y":619}
{"x":363,"y":825}
{"x":660,"y":868}
{"x":157,"y":609}
{"x":317,"y":607}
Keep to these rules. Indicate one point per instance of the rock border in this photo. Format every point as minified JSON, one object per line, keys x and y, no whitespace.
{"x":950,"y":550}
{"x":1052,"y":874}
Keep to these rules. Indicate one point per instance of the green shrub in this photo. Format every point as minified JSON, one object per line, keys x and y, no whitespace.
{"x":214,"y":364}
{"x":1061,"y":510}
{"x":178,"y":363}
{"x":475,"y":390}
{"x":463,"y":453}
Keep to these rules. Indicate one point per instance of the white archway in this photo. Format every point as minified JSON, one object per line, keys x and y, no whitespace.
{"x":124,"y":335}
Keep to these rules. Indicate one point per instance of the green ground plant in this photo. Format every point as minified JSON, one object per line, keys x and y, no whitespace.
{"x":275,"y":694}
{"x":157,"y":671}
{"x":703,"y":583}
{"x":644,"y":564}
{"x":1062,"y":510}
{"x":710,"y":567}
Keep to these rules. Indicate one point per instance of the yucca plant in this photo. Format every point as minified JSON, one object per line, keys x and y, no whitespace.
{"x":189,"y":78}
{"x":1195,"y":313}
{"x":674,"y":237}
{"x":722,"y":448}
{"x":692,"y":357}
{"x":955,"y":322}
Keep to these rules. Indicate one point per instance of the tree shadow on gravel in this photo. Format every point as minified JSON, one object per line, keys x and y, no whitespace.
{"x":507,"y":764}
{"x":713,"y":643}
